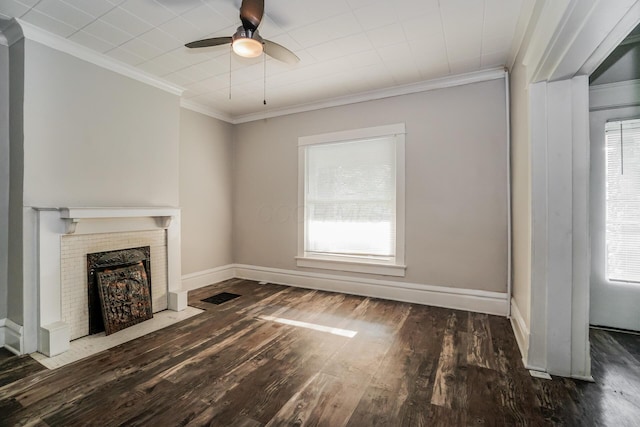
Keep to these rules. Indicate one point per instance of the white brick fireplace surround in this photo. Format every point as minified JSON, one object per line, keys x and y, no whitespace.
{"x":63,"y":233}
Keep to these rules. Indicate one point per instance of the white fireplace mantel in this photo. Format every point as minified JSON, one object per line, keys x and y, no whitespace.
{"x":73,"y":216}
{"x":52,"y":223}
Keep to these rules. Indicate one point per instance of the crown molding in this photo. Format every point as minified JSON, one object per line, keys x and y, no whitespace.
{"x":207,"y":111}
{"x":424,"y":86}
{"x":573,"y":37}
{"x":11,"y":33}
{"x":61,"y":44}
{"x":527,"y":11}
{"x":617,"y":36}
{"x":546,"y":35}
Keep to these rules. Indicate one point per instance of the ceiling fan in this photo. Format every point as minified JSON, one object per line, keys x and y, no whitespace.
{"x":247,"y":41}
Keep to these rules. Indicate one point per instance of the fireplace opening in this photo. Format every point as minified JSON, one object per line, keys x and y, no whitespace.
{"x":119,"y":289}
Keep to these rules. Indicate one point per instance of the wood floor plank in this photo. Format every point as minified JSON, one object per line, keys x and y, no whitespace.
{"x":278,"y":378}
{"x":344,"y":377}
{"x":17,"y":367}
{"x":484,"y":395}
{"x":402,"y":381}
{"x":304,"y":352}
{"x":354,"y":366}
{"x":165,"y":409}
{"x":613,"y":399}
{"x":375,"y":336}
{"x":165,"y":354}
{"x":450,"y":382}
{"x":480,"y":350}
{"x":5,"y":354}
{"x":269,"y":357}
{"x":630,"y":342}
{"x":301,"y":351}
{"x":188,"y":357}
{"x":243,"y":421}
{"x":515,"y":383}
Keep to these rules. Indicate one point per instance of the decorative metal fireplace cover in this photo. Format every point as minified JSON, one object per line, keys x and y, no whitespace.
{"x":119,"y":289}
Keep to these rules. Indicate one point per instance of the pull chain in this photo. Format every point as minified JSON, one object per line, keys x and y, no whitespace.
{"x":621,"y":151}
{"x":264,"y":83}
{"x":230,"y":53}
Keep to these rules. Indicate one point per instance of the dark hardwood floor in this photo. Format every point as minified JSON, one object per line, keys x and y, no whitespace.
{"x":261,"y":360}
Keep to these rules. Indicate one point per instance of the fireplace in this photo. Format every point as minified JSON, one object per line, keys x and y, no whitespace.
{"x":119,"y":289}
{"x":75,"y":251}
{"x":63,"y":237}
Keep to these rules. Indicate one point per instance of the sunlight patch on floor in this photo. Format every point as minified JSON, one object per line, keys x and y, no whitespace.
{"x":335,"y":331}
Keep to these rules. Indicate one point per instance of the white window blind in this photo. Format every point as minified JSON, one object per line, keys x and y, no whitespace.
{"x":350,"y":198}
{"x":623,"y":200}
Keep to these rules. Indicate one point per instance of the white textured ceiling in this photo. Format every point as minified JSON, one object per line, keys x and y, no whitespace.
{"x":346,"y":47}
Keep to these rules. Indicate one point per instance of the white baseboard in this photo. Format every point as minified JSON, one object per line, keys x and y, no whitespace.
{"x":2,"y":323}
{"x":207,"y":277}
{"x":520,"y":330}
{"x":460,"y":299}
{"x":12,"y":337}
{"x":439,"y":296}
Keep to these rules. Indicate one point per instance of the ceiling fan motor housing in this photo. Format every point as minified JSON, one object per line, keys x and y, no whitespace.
{"x":243,"y":33}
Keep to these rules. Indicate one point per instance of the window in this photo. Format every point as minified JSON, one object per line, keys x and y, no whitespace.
{"x":351,"y":188}
{"x":623,"y":200}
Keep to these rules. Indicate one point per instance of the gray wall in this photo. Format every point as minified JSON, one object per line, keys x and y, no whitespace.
{"x":4,"y":175}
{"x":622,"y":65}
{"x":94,"y":137}
{"x":83,"y":136}
{"x":456,"y":206}
{"x":205,"y":191}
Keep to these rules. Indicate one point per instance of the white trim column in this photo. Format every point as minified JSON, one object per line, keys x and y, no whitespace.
{"x":581,"y":264}
{"x":536,"y":357}
{"x":53,"y":335}
{"x":176,"y":294}
{"x":559,"y":222}
{"x":559,"y":333}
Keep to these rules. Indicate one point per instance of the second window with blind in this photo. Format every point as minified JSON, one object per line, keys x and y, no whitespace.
{"x":623,"y":200}
{"x":351,"y":194}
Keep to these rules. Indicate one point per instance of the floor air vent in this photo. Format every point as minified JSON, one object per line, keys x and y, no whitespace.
{"x":220,"y":298}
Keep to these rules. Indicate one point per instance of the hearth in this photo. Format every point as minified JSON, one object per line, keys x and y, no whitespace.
{"x":119,"y":289}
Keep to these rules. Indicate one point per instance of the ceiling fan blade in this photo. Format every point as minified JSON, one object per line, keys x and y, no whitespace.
{"x":251,"y":13}
{"x":280,"y":52}
{"x":216,"y":41}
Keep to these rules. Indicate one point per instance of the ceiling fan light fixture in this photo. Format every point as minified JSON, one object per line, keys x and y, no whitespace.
{"x":247,"y":48}
{"x":247,"y":43}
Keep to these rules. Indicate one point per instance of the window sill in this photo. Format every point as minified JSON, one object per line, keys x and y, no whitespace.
{"x":355,"y":266}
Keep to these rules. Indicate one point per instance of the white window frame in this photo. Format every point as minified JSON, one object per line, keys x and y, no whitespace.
{"x":393,"y":267}
{"x":608,"y":273}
